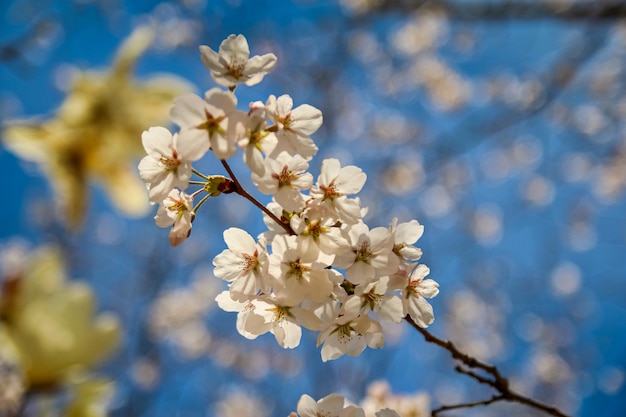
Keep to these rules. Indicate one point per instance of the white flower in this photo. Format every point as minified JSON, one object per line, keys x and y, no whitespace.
{"x":414,"y":294}
{"x":317,"y":234}
{"x":347,"y":332}
{"x":330,"y":406}
{"x":370,"y":255}
{"x":257,"y":141}
{"x":245,"y":314}
{"x":404,"y":236}
{"x":294,"y":126}
{"x":283,"y":319}
{"x":375,"y":297}
{"x":232,"y":65}
{"x":283,"y":178}
{"x":176,"y":209}
{"x":294,"y":278}
{"x":213,"y":121}
{"x":334,"y":184}
{"x":387,"y":412}
{"x":168,"y":163}
{"x":244,"y":264}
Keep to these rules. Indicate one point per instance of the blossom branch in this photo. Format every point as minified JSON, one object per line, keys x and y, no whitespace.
{"x":444,"y":408}
{"x":242,"y":192}
{"x":499,"y":382}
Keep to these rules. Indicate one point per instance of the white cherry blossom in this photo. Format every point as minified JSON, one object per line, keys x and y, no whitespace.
{"x":370,"y":254}
{"x":332,"y":405}
{"x":404,"y":235}
{"x":414,"y":296}
{"x":176,"y":210}
{"x":294,"y":125}
{"x":334,"y":184}
{"x":245,"y":314}
{"x":283,"y":318}
{"x":233,"y":65}
{"x":244,"y":264}
{"x":283,"y":178}
{"x":387,"y":412}
{"x":168,"y":163}
{"x":293,"y":277}
{"x":213,"y":121}
{"x":345,"y":331}
{"x":317,"y":234}
{"x":375,"y":296}
{"x":257,"y":140}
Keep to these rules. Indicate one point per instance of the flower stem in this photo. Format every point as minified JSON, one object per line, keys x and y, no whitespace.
{"x":201,"y":202}
{"x":198,"y":173}
{"x":242,"y":192}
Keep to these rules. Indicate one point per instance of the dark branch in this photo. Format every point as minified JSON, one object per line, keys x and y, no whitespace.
{"x":499,"y":382}
{"x":443,"y":408}
{"x":503,"y":10}
{"x":242,"y":192}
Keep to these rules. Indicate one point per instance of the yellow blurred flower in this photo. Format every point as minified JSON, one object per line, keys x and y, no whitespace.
{"x":96,"y":132}
{"x":90,"y":398}
{"x":51,"y":323}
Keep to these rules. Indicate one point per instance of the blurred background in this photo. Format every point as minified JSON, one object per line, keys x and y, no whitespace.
{"x":499,"y":125}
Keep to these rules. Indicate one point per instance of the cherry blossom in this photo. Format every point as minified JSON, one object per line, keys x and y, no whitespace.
{"x":233,"y":65}
{"x":414,"y":296}
{"x":318,"y":265}
{"x":334,"y":184}
{"x":332,"y":405}
{"x":284,"y":177}
{"x":244,"y":263}
{"x":294,"y":125}
{"x":375,"y":297}
{"x":317,"y":234}
{"x":369,"y":254}
{"x":294,"y":277}
{"x":404,"y":236}
{"x":168,"y":163}
{"x":346,"y":331}
{"x":213,"y":121}
{"x":176,"y":209}
{"x":245,"y":314}
{"x":257,"y":140}
{"x":283,"y":319}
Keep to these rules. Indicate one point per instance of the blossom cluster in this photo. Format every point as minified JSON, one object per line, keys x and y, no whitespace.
{"x":318,"y":265}
{"x":333,"y":405}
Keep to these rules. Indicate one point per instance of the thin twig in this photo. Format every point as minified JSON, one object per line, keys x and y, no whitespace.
{"x":443,"y":408}
{"x":242,"y":192}
{"x":499,"y":382}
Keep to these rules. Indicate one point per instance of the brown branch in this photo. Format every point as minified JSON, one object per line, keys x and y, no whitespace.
{"x":512,"y":9}
{"x":499,"y":382}
{"x":242,"y":192}
{"x":443,"y":408}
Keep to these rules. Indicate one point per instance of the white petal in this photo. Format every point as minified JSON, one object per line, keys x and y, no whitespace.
{"x":409,"y":232}
{"x":284,"y":104}
{"x":191,"y":147}
{"x":307,"y":407}
{"x":210,"y":59}
{"x":235,"y":48}
{"x":350,"y":180}
{"x":239,"y":240}
{"x":157,"y":141}
{"x":188,"y":111}
{"x":420,"y":311}
{"x":227,"y":265}
{"x":220,"y":102}
{"x":306,"y":120}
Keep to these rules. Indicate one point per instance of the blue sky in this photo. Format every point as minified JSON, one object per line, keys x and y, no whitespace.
{"x":504,"y":138}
